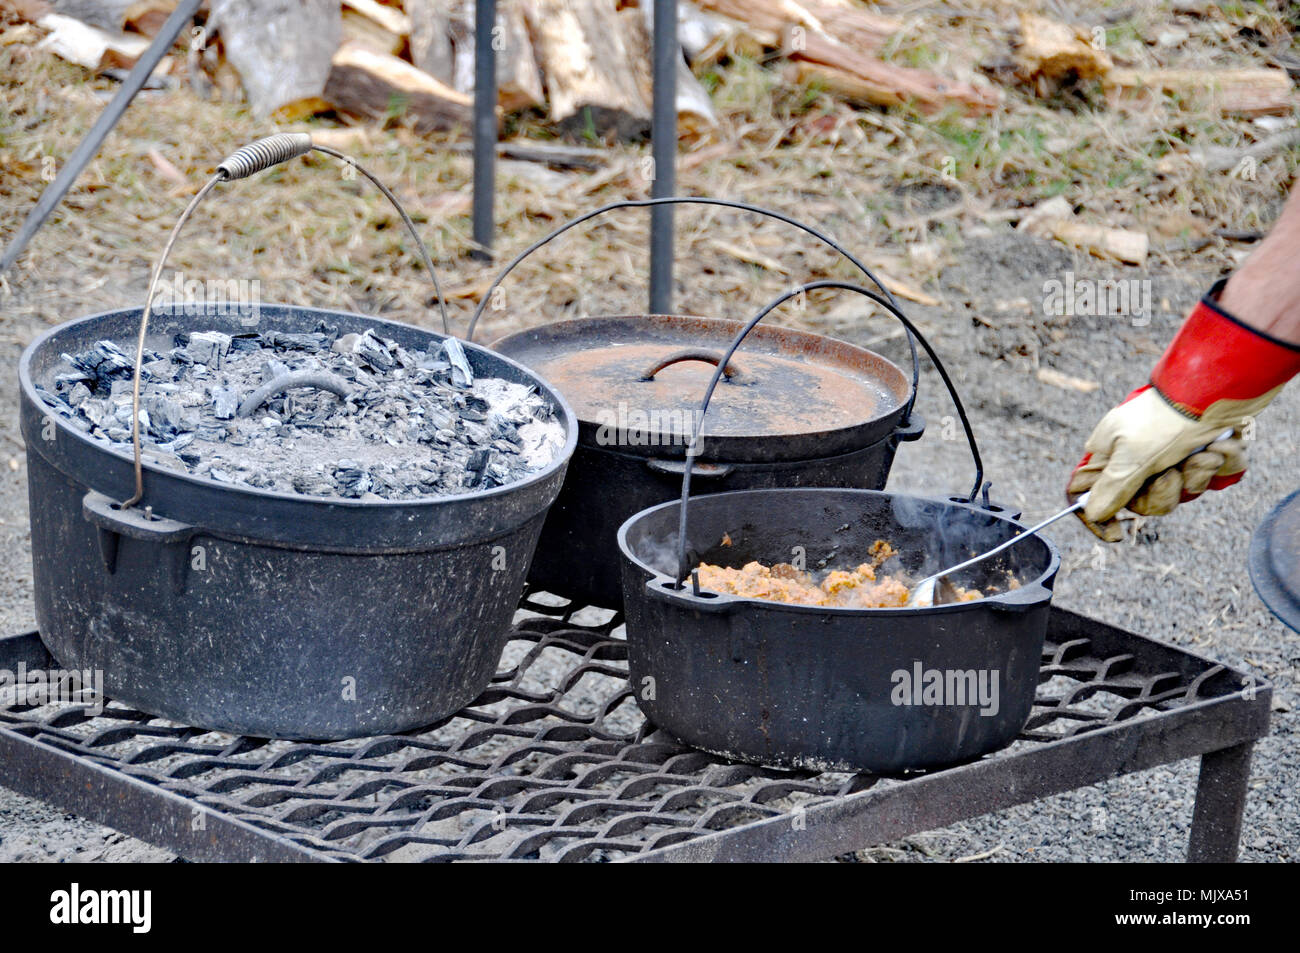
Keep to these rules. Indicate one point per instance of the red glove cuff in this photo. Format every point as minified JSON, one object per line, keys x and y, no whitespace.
{"x":1214,"y":356}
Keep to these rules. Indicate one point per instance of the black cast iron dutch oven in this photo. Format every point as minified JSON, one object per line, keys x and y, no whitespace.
{"x":266,"y":613}
{"x":801,"y":409}
{"x":879,"y":690}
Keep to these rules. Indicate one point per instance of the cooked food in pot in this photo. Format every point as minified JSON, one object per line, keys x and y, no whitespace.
{"x":862,"y":587}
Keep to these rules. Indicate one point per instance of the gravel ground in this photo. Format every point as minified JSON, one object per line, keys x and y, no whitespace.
{"x":1185,"y":580}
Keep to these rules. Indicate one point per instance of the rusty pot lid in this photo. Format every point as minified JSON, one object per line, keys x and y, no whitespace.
{"x":636,"y":381}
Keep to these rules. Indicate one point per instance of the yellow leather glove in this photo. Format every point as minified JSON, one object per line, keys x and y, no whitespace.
{"x":1161,"y":446}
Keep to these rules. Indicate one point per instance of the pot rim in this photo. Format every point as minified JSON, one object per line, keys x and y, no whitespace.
{"x":162,"y":477}
{"x":739,"y":447}
{"x":1029,"y":594}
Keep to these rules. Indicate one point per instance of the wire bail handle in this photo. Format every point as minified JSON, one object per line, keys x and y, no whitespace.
{"x":243,"y":162}
{"x":698,"y":200}
{"x":692,"y":448}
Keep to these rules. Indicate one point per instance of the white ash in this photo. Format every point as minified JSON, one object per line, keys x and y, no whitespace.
{"x":415,"y":424}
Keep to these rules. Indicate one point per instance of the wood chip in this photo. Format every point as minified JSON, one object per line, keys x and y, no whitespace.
{"x":904,"y":290}
{"x":1054,"y":377}
{"x":1121,"y":244}
{"x":749,"y":255}
{"x":165,"y":168}
{"x":1054,"y":51}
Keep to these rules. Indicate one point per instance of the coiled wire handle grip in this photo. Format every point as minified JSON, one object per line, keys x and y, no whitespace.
{"x":264,"y":153}
{"x":243,"y":162}
{"x":692,"y":449}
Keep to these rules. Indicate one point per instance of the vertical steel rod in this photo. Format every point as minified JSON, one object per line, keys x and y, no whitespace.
{"x":485,"y":125}
{"x":663,"y":144}
{"x":89,"y":146}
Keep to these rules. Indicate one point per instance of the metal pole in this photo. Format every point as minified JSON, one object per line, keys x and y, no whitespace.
{"x":663,"y":145}
{"x":485,"y":125}
{"x":89,"y":146}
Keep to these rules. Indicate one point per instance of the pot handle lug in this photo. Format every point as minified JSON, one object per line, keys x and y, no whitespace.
{"x":665,"y":587}
{"x":1021,"y":600}
{"x":913,"y":428}
{"x":706,"y":471}
{"x":115,"y":521}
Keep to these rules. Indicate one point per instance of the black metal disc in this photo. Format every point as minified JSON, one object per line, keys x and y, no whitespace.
{"x":1275,"y":560}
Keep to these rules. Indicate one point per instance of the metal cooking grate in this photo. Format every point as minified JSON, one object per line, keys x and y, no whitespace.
{"x":554,"y":761}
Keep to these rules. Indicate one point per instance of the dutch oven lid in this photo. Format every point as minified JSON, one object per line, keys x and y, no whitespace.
{"x":1275,"y":560}
{"x":636,"y":382}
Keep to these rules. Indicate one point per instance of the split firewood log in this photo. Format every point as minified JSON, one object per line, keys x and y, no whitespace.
{"x":694,"y":107}
{"x":89,"y":46}
{"x":379,"y":86}
{"x":586,"y":60}
{"x":280,"y":48}
{"x":109,"y":15}
{"x":863,"y":78}
{"x":1241,"y":92}
{"x":148,"y":16}
{"x":442,"y":44}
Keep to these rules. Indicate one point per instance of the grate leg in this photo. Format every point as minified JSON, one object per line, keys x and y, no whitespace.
{"x":1220,"y":802}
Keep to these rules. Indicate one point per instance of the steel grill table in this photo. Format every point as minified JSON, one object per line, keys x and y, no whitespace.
{"x":554,"y":762}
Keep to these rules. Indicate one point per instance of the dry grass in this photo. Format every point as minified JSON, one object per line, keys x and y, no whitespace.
{"x":881,"y":181}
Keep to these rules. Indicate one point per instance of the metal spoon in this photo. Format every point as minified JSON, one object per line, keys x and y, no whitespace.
{"x":922,"y":594}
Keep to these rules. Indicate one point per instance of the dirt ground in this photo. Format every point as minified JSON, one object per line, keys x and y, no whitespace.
{"x":874,"y":180}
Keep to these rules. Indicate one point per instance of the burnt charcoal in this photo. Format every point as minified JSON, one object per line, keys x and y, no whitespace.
{"x":272,"y":369}
{"x":351,"y":480}
{"x":313,"y":484}
{"x":105,"y":363}
{"x":78,"y":395}
{"x":55,"y":401}
{"x":208,"y":348}
{"x":160,"y":370}
{"x":66,"y":382}
{"x":462,"y":375}
{"x":95,"y":411}
{"x":225,"y":401}
{"x":374,"y":351}
{"x":434,"y":367}
{"x":415,"y":425}
{"x":178,"y":444}
{"x":167,"y":418}
{"x":318,"y":340}
{"x":479,"y":460}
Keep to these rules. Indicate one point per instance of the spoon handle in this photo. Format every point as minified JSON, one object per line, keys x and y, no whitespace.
{"x":1076,"y":505}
